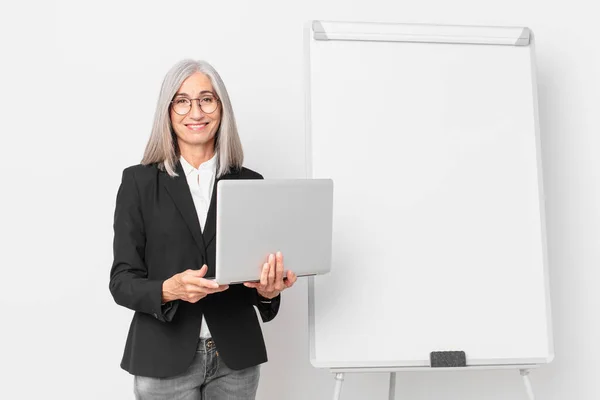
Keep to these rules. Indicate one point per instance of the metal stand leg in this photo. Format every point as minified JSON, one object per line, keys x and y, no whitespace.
{"x":527,"y":382}
{"x":392,"y":394}
{"x":339,"y":379}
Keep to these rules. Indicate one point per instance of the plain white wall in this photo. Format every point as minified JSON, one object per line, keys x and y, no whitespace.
{"x":79,"y":83}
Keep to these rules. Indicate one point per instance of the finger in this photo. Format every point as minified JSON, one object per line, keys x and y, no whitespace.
{"x":196,"y":297}
{"x":291,"y":279}
{"x":194,"y":290}
{"x":202,"y":283}
{"x":190,"y":277}
{"x":208,"y":283}
{"x":272,"y":271}
{"x":252,"y":285}
{"x":199,"y":272}
{"x":192,"y":297}
{"x":264,"y":275}
{"x":219,"y":289}
{"x":279,"y":267}
{"x":207,"y":291}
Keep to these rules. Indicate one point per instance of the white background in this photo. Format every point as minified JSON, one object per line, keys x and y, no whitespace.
{"x":79,"y":84}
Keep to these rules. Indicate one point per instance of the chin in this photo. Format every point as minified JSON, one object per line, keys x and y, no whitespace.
{"x":198,"y":141}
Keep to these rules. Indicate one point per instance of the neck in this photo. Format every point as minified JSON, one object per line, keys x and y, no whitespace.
{"x":196,"y":155}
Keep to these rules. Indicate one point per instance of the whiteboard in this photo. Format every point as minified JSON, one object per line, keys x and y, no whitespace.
{"x":430,"y":134}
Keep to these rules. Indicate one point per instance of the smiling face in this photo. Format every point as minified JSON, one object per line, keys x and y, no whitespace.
{"x":196,"y":129}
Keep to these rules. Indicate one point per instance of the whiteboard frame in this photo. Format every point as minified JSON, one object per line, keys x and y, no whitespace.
{"x":429,"y":369}
{"x":454,"y":34}
{"x":424,"y":33}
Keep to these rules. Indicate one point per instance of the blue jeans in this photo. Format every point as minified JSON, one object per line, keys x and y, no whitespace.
{"x":208,"y":378}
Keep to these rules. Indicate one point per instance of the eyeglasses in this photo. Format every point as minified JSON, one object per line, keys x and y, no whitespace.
{"x":208,"y":104}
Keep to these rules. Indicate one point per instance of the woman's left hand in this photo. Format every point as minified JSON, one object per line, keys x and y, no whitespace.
{"x":272,"y":281}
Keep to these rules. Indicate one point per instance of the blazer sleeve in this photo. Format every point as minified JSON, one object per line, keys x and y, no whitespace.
{"x":129,"y":283}
{"x":268,"y":308}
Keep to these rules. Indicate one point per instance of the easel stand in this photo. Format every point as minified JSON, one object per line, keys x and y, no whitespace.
{"x":340,"y":373}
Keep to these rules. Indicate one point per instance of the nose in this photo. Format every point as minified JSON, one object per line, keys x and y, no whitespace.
{"x":196,"y":111}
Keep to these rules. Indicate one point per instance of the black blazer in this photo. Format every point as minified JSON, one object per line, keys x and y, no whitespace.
{"x":157,"y":235}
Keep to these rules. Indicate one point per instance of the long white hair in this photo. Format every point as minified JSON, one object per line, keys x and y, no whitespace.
{"x":162,"y":146}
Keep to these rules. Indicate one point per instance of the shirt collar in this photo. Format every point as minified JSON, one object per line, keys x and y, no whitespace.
{"x":207,"y":165}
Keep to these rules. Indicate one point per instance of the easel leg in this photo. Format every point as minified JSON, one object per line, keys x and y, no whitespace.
{"x":527,"y":382}
{"x":339,"y":379}
{"x":392,"y":394}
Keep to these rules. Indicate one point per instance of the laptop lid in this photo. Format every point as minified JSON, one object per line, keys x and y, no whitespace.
{"x":258,"y":217}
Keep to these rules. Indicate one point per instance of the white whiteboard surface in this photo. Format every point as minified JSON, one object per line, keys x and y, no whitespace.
{"x":439,"y":236}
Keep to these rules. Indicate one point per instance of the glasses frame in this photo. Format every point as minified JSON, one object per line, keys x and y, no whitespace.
{"x":192,"y":105}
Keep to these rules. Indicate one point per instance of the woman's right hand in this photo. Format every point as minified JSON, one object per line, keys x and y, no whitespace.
{"x":190,"y":286}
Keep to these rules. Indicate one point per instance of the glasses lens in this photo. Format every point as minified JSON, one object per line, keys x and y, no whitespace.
{"x":208,"y":104}
{"x":182,"y":105}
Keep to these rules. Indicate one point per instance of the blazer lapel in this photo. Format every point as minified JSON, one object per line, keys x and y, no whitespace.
{"x":179,"y":191}
{"x":211,"y":218}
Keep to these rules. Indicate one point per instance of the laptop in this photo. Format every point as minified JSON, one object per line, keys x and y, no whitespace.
{"x":258,"y":217}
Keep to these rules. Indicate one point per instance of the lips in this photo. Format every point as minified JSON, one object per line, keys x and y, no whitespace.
{"x":196,"y":127}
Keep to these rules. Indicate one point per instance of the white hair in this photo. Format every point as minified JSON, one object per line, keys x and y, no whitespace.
{"x":162,"y":146}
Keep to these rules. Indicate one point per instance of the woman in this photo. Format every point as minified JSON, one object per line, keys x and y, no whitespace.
{"x":190,"y":338}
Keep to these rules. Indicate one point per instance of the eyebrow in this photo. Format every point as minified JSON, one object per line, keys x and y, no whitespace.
{"x":202,"y":92}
